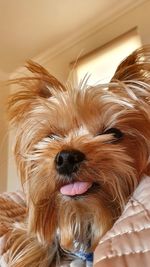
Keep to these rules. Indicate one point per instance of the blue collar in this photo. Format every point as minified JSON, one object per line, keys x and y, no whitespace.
{"x":85,"y":256}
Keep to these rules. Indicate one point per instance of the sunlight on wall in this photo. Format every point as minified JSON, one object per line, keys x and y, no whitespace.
{"x":102,"y":63}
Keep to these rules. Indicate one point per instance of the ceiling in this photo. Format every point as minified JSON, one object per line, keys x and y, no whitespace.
{"x":29,"y":27}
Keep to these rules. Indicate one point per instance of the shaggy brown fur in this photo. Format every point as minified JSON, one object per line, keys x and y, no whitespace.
{"x":50,"y":118}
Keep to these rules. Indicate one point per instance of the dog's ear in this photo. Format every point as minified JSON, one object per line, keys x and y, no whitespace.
{"x":38,"y":86}
{"x":46,"y":82}
{"x":132,"y":77}
{"x":135,"y":67}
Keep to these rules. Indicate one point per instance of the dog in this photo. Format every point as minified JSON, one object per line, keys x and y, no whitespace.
{"x":80,"y":154}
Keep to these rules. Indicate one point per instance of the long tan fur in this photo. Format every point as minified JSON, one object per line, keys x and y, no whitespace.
{"x":50,"y":118}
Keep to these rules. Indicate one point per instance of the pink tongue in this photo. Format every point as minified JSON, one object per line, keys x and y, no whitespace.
{"x":76,"y":188}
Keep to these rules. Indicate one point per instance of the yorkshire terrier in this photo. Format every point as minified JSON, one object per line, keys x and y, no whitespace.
{"x":80,"y":153}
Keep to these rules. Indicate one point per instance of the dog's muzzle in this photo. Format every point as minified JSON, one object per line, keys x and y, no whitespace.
{"x":68,"y":161}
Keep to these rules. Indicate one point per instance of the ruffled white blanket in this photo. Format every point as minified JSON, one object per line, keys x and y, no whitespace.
{"x":127,"y":244}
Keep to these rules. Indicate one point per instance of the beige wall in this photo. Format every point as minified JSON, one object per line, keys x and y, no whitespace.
{"x":138,"y":17}
{"x":3,"y":135}
{"x":13,"y":182}
{"x":60,"y":64}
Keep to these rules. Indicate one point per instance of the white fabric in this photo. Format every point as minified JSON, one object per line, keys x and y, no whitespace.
{"x":127,"y":244}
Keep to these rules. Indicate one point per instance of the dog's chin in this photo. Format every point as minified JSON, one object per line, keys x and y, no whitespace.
{"x":83,"y":215}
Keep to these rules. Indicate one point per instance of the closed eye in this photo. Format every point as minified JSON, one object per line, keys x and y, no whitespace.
{"x":53,"y":137}
{"x":117,"y":134}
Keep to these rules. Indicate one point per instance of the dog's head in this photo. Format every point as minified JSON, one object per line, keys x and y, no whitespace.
{"x":81,"y":151}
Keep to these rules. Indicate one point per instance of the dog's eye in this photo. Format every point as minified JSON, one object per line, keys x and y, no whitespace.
{"x":115,"y":132}
{"x":53,"y":136}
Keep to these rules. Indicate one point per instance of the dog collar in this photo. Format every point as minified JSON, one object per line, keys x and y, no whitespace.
{"x":88,"y":257}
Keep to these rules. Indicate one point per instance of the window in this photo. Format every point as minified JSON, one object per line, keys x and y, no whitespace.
{"x":102,"y":63}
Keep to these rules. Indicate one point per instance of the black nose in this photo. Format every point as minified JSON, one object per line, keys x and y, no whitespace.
{"x":67,"y":161}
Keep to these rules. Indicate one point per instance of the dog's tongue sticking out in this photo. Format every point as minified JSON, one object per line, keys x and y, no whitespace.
{"x":76,"y":188}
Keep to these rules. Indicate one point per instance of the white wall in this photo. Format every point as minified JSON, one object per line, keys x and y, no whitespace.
{"x":59,"y":65}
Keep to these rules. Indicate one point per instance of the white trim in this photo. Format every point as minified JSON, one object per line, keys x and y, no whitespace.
{"x":88,"y":30}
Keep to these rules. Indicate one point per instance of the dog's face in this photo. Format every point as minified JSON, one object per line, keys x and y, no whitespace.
{"x":80,"y":152}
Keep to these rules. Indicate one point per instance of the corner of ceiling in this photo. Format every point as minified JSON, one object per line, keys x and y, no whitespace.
{"x":88,"y":30}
